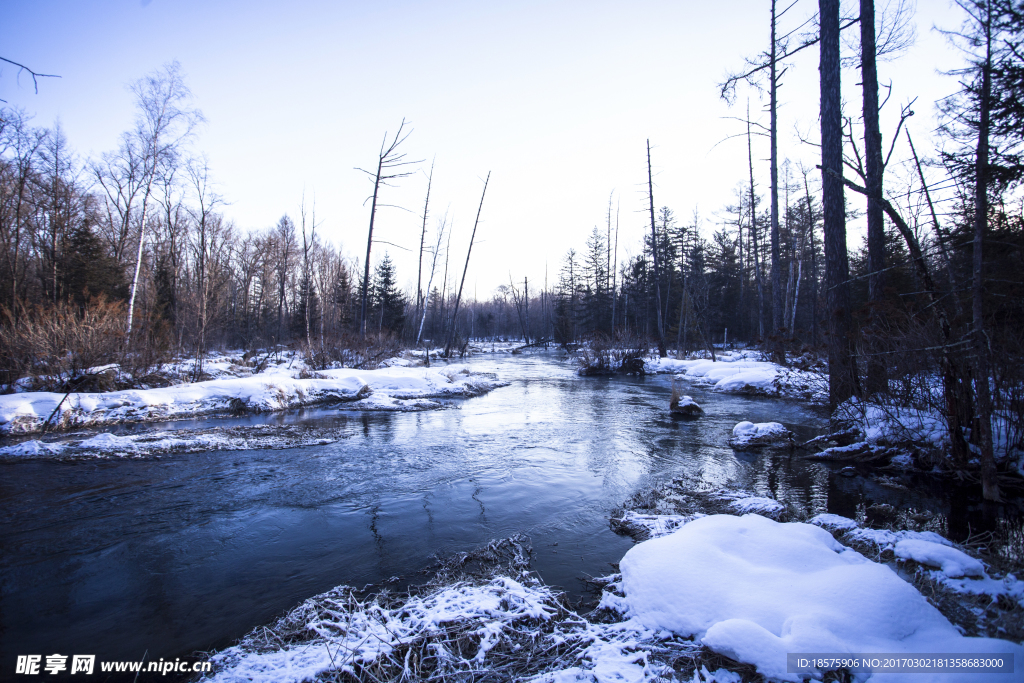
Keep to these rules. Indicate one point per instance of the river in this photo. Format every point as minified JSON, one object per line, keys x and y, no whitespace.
{"x":182,"y":553}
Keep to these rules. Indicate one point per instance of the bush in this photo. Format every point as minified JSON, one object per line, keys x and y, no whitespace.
{"x":57,"y":346}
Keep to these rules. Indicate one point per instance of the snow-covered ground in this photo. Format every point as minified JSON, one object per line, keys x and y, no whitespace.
{"x":753,"y":589}
{"x":746,"y":588}
{"x":278,"y":388}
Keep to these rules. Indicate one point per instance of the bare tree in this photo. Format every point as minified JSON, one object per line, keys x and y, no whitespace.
{"x":18,"y":175}
{"x":434,"y":255}
{"x":662,"y":351}
{"x":423,"y":237}
{"x":389,"y":165}
{"x":164,"y":122}
{"x":307,"y":284}
{"x":207,"y":239}
{"x":458,"y":299}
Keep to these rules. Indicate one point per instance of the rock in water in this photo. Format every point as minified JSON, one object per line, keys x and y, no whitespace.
{"x":751,"y":435}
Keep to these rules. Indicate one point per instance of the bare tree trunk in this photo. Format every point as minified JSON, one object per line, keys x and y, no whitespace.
{"x":420,"y":298}
{"x":753,"y":233}
{"x":430,"y":281}
{"x":662,"y":351}
{"x":814,"y":263}
{"x":526,"y":296}
{"x":388,"y":163}
{"x":680,"y":335}
{"x":777,"y":307}
{"x":842,"y":367}
{"x":796,"y":293}
{"x":939,"y":237}
{"x":138,"y":262}
{"x":876,"y":375}
{"x":615,"y":268}
{"x":369,"y":246}
{"x":458,"y":299}
{"x":989,"y":482}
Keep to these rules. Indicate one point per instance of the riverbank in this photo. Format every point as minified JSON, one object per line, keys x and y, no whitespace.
{"x":703,"y":597}
{"x":398,"y":387}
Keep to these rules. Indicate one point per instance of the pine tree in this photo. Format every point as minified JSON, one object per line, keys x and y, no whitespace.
{"x":388,"y":300}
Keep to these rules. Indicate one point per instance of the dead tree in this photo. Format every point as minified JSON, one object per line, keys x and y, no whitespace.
{"x":458,"y":298}
{"x":430,"y":280}
{"x":753,"y":232}
{"x":420,"y":299}
{"x":389,"y":165}
{"x":662,"y":351}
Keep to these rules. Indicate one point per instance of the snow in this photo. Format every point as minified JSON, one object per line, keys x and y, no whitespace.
{"x":687,"y":401}
{"x":105,"y":445}
{"x":350,"y":632}
{"x":685,"y":405}
{"x":833,"y":522}
{"x":887,"y":540}
{"x":891,"y":424}
{"x":25,"y":413}
{"x":746,"y":434}
{"x":654,"y":526}
{"x":753,"y":589}
{"x":1009,"y":585}
{"x":953,"y":563}
{"x":738,"y":372}
{"x":743,"y":503}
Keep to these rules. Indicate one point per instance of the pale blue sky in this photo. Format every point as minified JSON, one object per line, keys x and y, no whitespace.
{"x":555,"y":98}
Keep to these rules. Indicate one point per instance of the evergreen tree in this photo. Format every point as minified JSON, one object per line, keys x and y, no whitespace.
{"x":388,"y":301}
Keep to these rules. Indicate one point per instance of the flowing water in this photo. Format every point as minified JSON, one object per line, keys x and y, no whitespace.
{"x":182,"y":553}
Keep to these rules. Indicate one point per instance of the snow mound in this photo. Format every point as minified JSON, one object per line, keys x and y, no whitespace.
{"x":754,"y":590}
{"x":951,"y":561}
{"x":752,"y":435}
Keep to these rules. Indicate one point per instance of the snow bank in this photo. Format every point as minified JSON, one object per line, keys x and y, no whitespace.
{"x":737,"y":372}
{"x":26,"y":412}
{"x":753,"y":590}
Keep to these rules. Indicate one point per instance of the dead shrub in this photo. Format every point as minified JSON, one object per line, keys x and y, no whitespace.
{"x":64,"y":347}
{"x":59,"y":343}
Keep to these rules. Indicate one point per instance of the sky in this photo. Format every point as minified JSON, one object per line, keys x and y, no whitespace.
{"x":557,"y":100}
